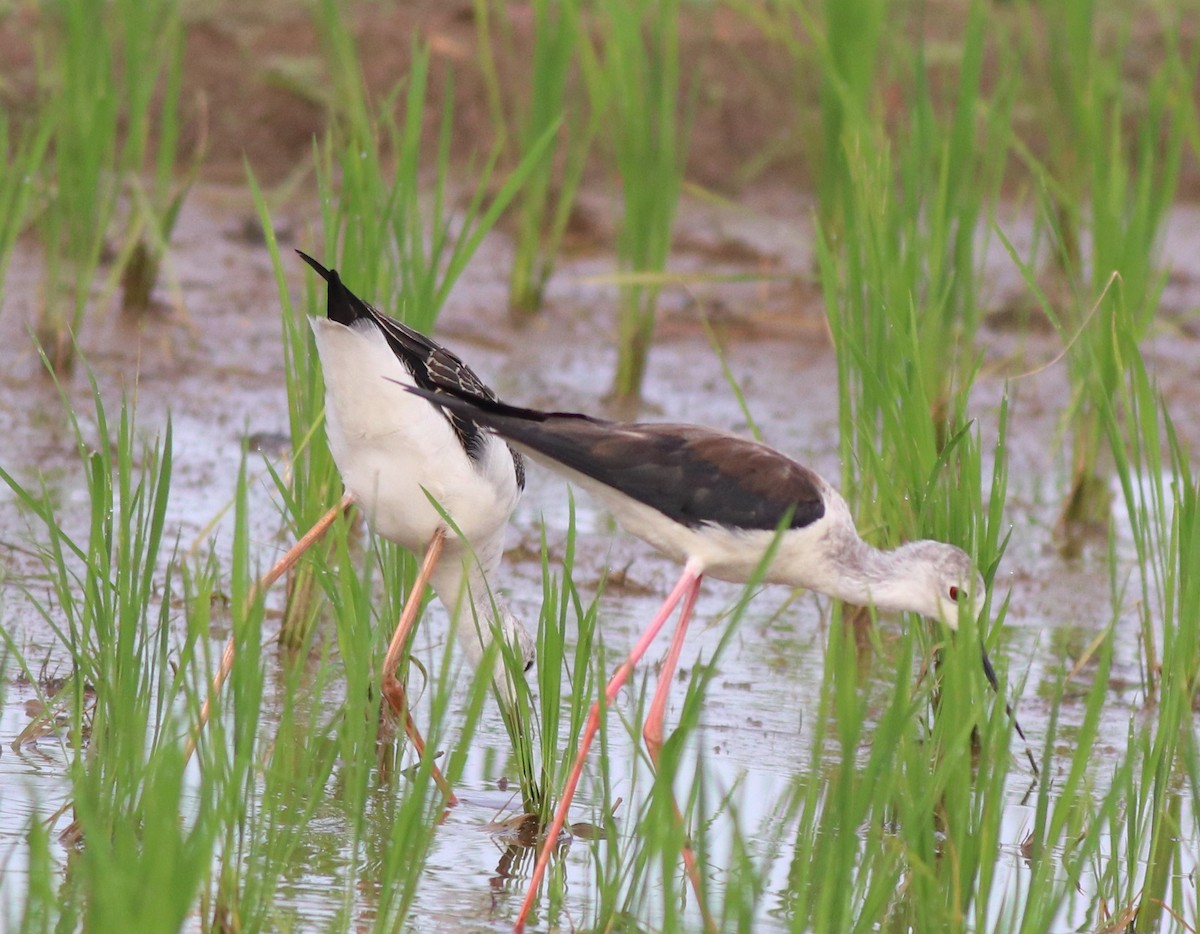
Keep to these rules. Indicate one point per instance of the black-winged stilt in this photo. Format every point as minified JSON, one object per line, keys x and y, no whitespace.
{"x":717,"y":503}
{"x":398,"y":456}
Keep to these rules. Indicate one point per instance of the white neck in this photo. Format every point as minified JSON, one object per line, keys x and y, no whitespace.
{"x":462,"y":587}
{"x":892,"y":581}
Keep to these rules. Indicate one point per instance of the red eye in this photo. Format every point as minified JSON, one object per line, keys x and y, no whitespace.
{"x":954,"y":594}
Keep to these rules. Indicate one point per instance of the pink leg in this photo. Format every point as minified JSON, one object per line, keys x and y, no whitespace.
{"x":394,"y":692}
{"x":391,"y":687}
{"x":408,"y":617}
{"x":689,"y":581}
{"x":282,"y":566}
{"x":652,"y":732}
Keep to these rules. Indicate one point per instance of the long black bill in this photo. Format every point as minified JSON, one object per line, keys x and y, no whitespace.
{"x":990,"y":673}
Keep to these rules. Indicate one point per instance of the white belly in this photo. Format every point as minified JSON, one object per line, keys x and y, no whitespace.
{"x":395,"y":450}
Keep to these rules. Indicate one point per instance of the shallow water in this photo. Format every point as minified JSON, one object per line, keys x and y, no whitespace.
{"x":213,"y":362}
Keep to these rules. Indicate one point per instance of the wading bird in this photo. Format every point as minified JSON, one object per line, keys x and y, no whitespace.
{"x":718,"y":504}
{"x":409,"y":466}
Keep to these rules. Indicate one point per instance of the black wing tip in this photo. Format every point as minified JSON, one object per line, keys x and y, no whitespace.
{"x":448,"y":398}
{"x":483,"y":409}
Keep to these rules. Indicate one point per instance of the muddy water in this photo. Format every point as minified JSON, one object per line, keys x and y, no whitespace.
{"x":210,"y":358}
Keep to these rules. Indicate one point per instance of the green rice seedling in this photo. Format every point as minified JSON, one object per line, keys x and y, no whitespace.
{"x":748,"y":862}
{"x":431,"y":253}
{"x":311,"y":483}
{"x":324,"y":761}
{"x":111,"y":75}
{"x":569,"y":666}
{"x":84,"y":109}
{"x":151,"y":50}
{"x":228,"y":752}
{"x":911,"y":464}
{"x":547,"y":200}
{"x":269,"y":748}
{"x":637,"y":879}
{"x":1131,"y":839}
{"x":898,"y":274}
{"x":887,"y":385}
{"x":849,"y":43}
{"x":396,"y":231}
{"x":1068,"y":822}
{"x":949,"y":172}
{"x":564,"y":618}
{"x":1160,"y":490}
{"x":543,"y":206}
{"x":43,"y":905}
{"x":837,"y":796}
{"x":507,"y":666}
{"x":841,"y":47}
{"x":898,"y":408}
{"x":111,"y":610}
{"x":832,"y":796}
{"x":632,"y":837}
{"x":1077,"y":76}
{"x":906,"y":237}
{"x":910,"y":823}
{"x":636,"y":83}
{"x":391,"y":820}
{"x":21,"y":153}
{"x":1108,"y":181}
{"x":947,"y":148}
{"x":355,"y":604}
{"x":282,"y":759}
{"x":400,"y":224}
{"x":581,"y":676}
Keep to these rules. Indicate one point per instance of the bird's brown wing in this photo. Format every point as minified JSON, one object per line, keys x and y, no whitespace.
{"x":691,"y":474}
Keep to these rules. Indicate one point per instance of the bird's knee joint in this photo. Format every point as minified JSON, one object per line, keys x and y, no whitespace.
{"x":653,"y":736}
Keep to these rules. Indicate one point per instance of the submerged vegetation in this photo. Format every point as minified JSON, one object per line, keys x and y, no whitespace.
{"x":933,"y":138}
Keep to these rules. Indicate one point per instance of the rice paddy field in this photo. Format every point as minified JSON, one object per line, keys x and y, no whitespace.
{"x":947,"y":253}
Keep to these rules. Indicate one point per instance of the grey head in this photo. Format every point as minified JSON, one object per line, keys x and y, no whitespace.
{"x":518,"y":638}
{"x":518,"y":645}
{"x":475,"y":632}
{"x":944,"y":580}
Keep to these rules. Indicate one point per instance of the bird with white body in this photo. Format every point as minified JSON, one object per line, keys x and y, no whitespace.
{"x":439,"y":486}
{"x":718,"y":504}
{"x":432,"y":484}
{"x":408,"y":466}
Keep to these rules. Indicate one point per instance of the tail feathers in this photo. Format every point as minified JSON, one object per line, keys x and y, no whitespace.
{"x":342,"y":305}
